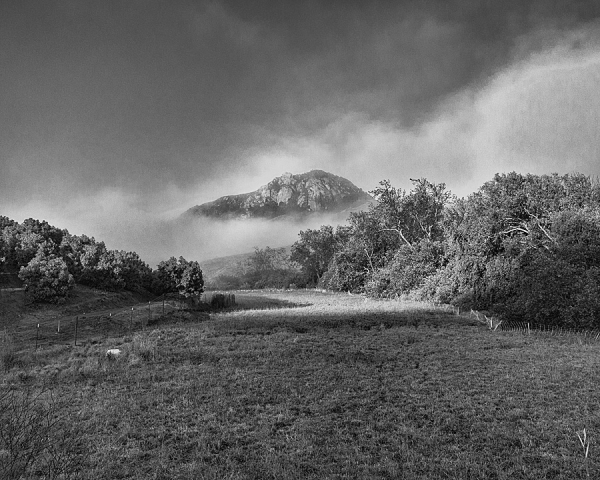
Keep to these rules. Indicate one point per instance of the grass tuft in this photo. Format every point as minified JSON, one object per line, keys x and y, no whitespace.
{"x":144,"y":346}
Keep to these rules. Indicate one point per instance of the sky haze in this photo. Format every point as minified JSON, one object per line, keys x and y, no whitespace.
{"x":117,"y":116}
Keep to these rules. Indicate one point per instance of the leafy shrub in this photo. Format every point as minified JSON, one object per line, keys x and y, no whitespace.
{"x":346,"y":273}
{"x":551,"y":291}
{"x":439,"y":287}
{"x":47,"y":278}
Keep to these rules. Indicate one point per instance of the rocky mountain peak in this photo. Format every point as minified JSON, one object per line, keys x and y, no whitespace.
{"x":298,"y":195}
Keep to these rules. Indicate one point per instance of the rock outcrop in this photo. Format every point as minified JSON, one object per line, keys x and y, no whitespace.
{"x":289,"y":195}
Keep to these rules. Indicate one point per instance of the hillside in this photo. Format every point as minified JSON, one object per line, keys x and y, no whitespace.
{"x":289,"y":195}
{"x":228,"y":265}
{"x":231,"y":265}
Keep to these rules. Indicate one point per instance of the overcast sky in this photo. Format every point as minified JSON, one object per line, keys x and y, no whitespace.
{"x":118,"y":114}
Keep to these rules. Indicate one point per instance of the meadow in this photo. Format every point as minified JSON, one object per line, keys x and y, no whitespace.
{"x":307,"y":384}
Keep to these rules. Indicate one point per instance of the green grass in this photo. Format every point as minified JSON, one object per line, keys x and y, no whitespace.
{"x":313,"y":385}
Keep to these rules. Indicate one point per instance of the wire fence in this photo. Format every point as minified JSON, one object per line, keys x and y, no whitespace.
{"x":98,"y":325}
{"x":493,"y":323}
{"x":579,"y":335}
{"x":550,"y":330}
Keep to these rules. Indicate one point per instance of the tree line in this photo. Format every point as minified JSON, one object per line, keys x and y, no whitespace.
{"x":525,"y":247}
{"x":50,"y":261}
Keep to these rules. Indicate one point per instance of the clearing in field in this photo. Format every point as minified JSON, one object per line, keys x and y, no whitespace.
{"x":295,"y":385}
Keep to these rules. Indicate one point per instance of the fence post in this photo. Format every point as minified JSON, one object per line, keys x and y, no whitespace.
{"x":37,"y":335}
{"x":58,"y":327}
{"x":528,"y":329}
{"x":163,"y":305}
{"x":131,"y":320}
{"x":76,"y":325}
{"x":149,"y":314}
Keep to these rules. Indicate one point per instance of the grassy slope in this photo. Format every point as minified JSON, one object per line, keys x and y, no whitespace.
{"x":16,"y":307}
{"x":329,"y":386}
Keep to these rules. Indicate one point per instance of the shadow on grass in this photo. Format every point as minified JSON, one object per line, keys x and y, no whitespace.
{"x":310,"y":320}
{"x":253,"y":302}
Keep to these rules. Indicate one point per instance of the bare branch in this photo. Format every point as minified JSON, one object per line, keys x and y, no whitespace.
{"x":400,"y":234}
{"x":370,"y":261}
{"x":516,"y":229}
{"x":539,"y":224}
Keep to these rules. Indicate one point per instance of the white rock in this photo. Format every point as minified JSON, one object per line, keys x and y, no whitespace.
{"x":113,"y":353}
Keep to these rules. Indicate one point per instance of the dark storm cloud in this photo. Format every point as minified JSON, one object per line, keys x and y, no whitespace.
{"x":125,"y":110}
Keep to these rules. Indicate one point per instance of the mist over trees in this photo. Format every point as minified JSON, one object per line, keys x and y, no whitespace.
{"x":50,"y":261}
{"x":526,"y":247}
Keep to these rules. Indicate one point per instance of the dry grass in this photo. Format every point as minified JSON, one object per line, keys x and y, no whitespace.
{"x":314,"y":385}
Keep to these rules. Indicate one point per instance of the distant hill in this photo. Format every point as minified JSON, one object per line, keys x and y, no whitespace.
{"x":231,"y":265}
{"x":288,"y":196}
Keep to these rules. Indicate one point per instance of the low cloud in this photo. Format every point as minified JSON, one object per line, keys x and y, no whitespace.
{"x":539,"y":115}
{"x":123,"y":224}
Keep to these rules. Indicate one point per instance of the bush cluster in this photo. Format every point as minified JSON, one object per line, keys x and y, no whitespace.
{"x":50,"y":261}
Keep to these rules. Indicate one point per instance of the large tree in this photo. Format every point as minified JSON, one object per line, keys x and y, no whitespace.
{"x":399,"y":233}
{"x":412,"y":216}
{"x":314,"y":251}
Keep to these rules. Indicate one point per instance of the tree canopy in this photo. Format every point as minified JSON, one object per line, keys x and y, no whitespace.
{"x":50,"y":261}
{"x":179,"y":276}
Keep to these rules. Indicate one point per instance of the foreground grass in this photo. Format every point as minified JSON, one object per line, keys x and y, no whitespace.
{"x":311,"y":385}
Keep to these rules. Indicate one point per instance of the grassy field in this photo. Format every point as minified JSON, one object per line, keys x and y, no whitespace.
{"x":296,"y":385}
